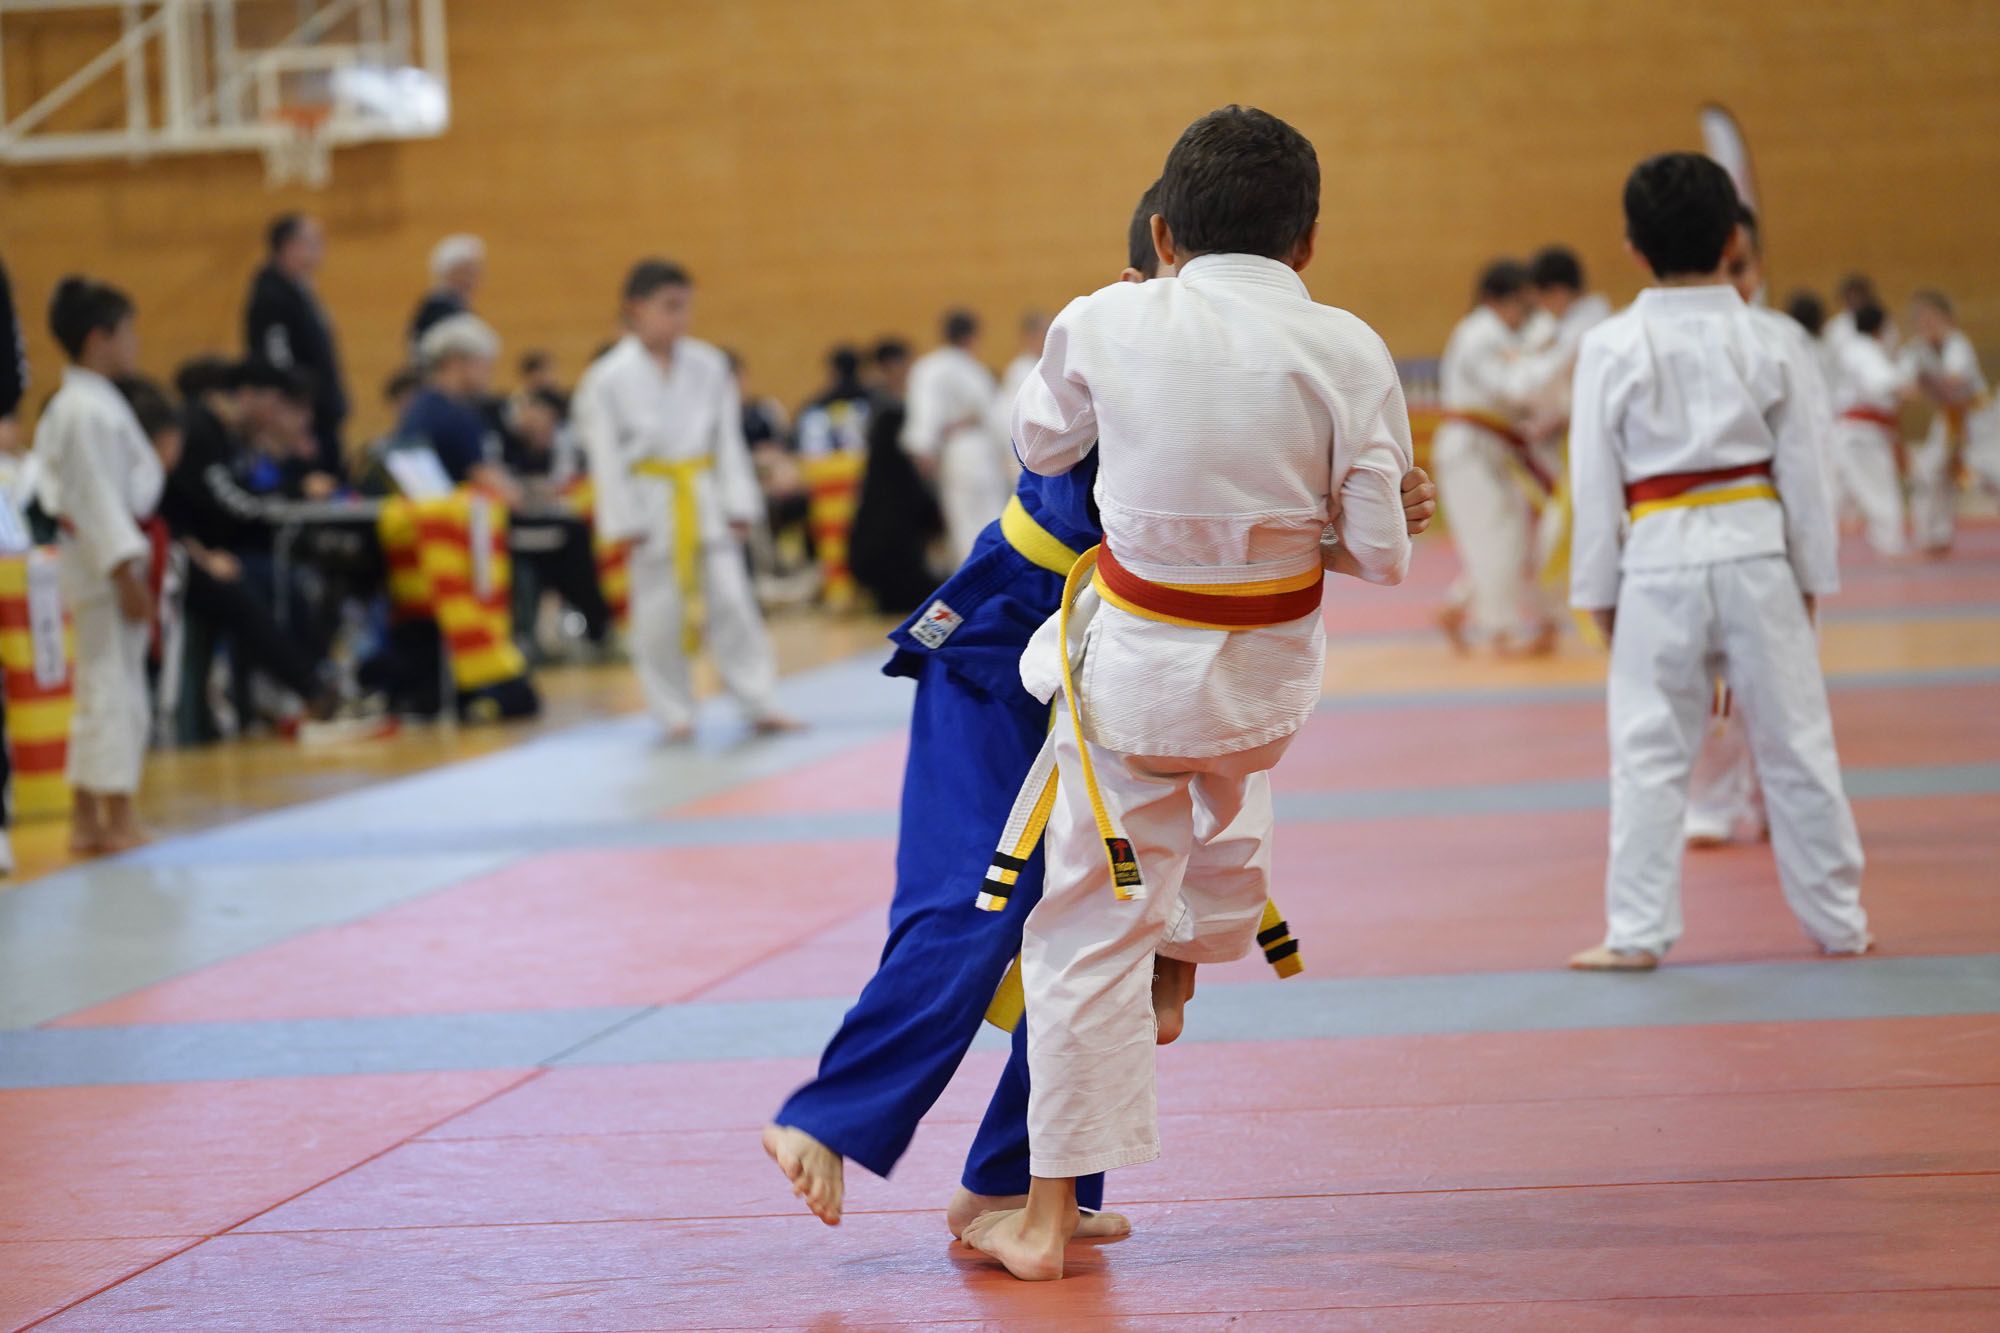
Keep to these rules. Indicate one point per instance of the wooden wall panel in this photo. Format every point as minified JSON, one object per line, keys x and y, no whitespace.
{"x":839,"y":168}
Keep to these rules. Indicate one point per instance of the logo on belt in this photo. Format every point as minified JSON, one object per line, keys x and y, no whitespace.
{"x":1124,"y":865}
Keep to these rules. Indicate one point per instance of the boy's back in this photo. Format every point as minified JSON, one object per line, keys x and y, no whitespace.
{"x":1687,"y":380}
{"x":1227,"y":409}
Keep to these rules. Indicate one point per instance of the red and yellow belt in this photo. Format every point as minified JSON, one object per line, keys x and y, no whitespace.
{"x":1688,"y":490}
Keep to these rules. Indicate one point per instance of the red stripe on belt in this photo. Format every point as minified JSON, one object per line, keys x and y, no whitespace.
{"x":1221,"y":610}
{"x":1648,"y":490}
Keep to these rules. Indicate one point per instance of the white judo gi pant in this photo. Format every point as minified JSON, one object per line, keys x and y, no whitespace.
{"x":1676,"y":630}
{"x":1493,"y":525}
{"x":1865,"y":460}
{"x":1201,"y":830}
{"x":733,"y":634}
{"x":112,"y":718}
{"x":1934,"y":491}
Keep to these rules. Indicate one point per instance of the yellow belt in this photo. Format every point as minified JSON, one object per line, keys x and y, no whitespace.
{"x":1760,"y":490}
{"x":1035,"y":543}
{"x":681,"y":473}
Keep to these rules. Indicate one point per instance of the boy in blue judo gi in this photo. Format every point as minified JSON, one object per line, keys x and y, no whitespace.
{"x":974,"y":735}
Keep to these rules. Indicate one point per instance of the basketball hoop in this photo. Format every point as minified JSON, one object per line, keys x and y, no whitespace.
{"x":298,"y":150}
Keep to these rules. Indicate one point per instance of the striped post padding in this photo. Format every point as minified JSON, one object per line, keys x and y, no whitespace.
{"x":38,"y":655}
{"x":833,"y":491}
{"x":448,"y":562}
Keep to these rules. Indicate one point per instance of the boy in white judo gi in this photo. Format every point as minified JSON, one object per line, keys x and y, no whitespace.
{"x":662,"y":425}
{"x":1234,"y":420}
{"x":945,"y":432}
{"x":100,"y":478}
{"x":1868,"y":393}
{"x":1704,"y":537}
{"x":1491,"y":478}
{"x":1964,"y":438}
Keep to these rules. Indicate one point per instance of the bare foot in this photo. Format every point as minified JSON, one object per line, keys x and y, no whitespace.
{"x":1602,"y":959}
{"x":125,"y":840}
{"x":966,"y":1208}
{"x":776,"y":724}
{"x":681,"y":735}
{"x":89,"y":844}
{"x":1452,"y":621}
{"x":1541,"y":643}
{"x":1173,"y":987}
{"x":817,"y":1173}
{"x":1033,"y":1255}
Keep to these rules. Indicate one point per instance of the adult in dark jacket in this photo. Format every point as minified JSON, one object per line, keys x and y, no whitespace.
{"x":285,"y":324}
{"x":898,"y":518}
{"x":13,"y":352}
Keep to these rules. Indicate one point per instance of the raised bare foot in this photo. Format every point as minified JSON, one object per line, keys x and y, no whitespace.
{"x":1033,"y":1255}
{"x":776,"y":724}
{"x":817,"y":1173}
{"x":1602,"y":959}
{"x":1173,"y":987}
{"x":966,"y":1208}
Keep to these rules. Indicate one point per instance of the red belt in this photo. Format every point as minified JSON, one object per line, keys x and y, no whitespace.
{"x":1224,"y":606}
{"x":1877,"y":416}
{"x":1513,"y":439}
{"x":1652,"y":490}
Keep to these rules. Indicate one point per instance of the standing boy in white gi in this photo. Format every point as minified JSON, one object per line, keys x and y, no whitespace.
{"x":1965,"y":429}
{"x":945,"y":432}
{"x":1868,"y":392}
{"x":1490,"y":478}
{"x":1234,"y":419}
{"x":99,"y":478}
{"x":1704,"y":537}
{"x":663,"y":427}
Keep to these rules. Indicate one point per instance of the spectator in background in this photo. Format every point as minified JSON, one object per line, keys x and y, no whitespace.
{"x":283,"y":459}
{"x":946,"y":432}
{"x":897,"y":520}
{"x":1000,"y":422}
{"x":457,"y":265}
{"x":285,"y":324}
{"x":538,"y":371}
{"x":448,"y":413}
{"x":13,"y":361}
{"x":787,"y":501}
{"x":544,"y":455}
{"x":100,"y":478}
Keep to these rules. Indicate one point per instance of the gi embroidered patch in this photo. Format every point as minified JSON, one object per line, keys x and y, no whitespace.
{"x":935,"y":625}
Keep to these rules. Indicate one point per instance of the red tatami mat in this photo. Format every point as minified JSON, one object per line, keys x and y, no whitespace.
{"x":576,"y":928}
{"x":1303,"y":1254}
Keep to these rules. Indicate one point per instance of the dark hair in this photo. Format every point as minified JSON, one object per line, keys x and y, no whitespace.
{"x":282,"y":230}
{"x":1856,"y":286}
{"x":890,"y":349}
{"x":1935,"y":299}
{"x":1808,"y":310}
{"x":844,"y":361}
{"x":535,"y":360}
{"x":1240,"y":181}
{"x":150,"y":404}
{"x":1556,"y":266}
{"x":203,"y":375}
{"x":959,"y":325}
{"x":83,"y":306}
{"x":405,"y":380}
{"x":1501,"y":279}
{"x":1680,"y":211}
{"x":1869,"y":318}
{"x":650,"y":275}
{"x":1139,"y":251}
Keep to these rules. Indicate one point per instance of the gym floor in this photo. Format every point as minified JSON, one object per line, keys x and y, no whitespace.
{"x":478,"y":1029}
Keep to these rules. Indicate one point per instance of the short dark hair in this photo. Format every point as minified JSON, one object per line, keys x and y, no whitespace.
{"x":1936,"y":300}
{"x":83,"y":306}
{"x":1680,"y":211}
{"x":1139,"y":249}
{"x":282,"y":229}
{"x":1856,"y":287}
{"x":890,"y":349}
{"x":959,"y":324}
{"x":202,"y":375}
{"x":844,"y":361}
{"x":1240,"y":181}
{"x":1556,"y":266}
{"x":150,"y":404}
{"x":1501,"y":279}
{"x":1869,"y":318}
{"x":650,"y":275}
{"x":1808,"y":310}
{"x":536,"y":360}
